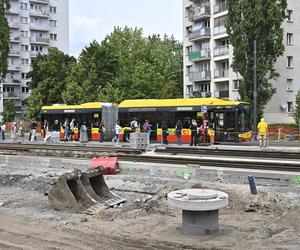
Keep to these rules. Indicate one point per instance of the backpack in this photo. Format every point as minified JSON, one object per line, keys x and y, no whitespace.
{"x":145,"y":128}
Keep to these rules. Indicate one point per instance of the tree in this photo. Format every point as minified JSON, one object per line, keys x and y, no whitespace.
{"x":9,"y":110}
{"x":48,"y":79}
{"x":296,"y":113}
{"x":34,"y":105}
{"x":259,"y":20}
{"x":4,"y":37}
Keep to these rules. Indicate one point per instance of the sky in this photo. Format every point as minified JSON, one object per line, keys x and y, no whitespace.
{"x":94,"y":19}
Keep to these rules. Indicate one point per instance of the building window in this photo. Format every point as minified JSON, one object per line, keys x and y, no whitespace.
{"x":24,"y":33}
{"x":290,"y":107}
{"x":25,"y":89}
{"x":289,"y":85}
{"x":189,"y":49}
{"x":23,"y":6}
{"x":236,"y":84}
{"x":290,"y":62}
{"x":23,"y":75}
{"x":289,"y":15}
{"x":24,"y":61}
{"x":52,"y":9}
{"x":188,"y":70}
{"x":24,"y":48}
{"x":53,"y":23}
{"x":289,"y":38}
{"x":189,"y":89}
{"x":53,"y":37}
{"x":24,"y":20}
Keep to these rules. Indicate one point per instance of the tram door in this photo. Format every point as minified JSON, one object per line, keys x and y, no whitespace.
{"x":219,"y":125}
{"x":225,"y":125}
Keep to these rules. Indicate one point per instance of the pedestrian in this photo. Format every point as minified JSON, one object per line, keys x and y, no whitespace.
{"x":13,"y":131}
{"x":147,"y":129}
{"x":134,"y":125}
{"x":66,"y":127}
{"x":102,"y":132}
{"x":262,"y":128}
{"x":3,"y":128}
{"x":72,"y":129}
{"x":45,"y":128}
{"x":32,"y":128}
{"x":193,"y":128}
{"x":178,"y":129}
{"x":21,"y":129}
{"x":117,"y":133}
{"x":83,"y":133}
{"x":165,"y":133}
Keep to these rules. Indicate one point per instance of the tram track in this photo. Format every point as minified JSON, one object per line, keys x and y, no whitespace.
{"x":191,"y":157}
{"x":229,"y":152}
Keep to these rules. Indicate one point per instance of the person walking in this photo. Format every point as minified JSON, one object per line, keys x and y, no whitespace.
{"x":262,"y":128}
{"x":32,"y":127}
{"x":178,"y":129}
{"x":102,"y":132}
{"x":165,"y":133}
{"x":66,"y":127}
{"x":13,"y":131}
{"x":45,"y":128}
{"x":117,"y":133}
{"x":194,"y":128}
{"x":147,"y":129}
{"x":72,"y":129}
{"x":3,"y":128}
{"x":83,"y":138}
{"x":21,"y":129}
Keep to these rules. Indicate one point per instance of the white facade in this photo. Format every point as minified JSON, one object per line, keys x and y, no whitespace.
{"x":208,"y":56}
{"x":34,"y":26}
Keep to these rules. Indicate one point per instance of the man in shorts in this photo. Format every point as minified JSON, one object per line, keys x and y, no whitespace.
{"x":262,"y":128}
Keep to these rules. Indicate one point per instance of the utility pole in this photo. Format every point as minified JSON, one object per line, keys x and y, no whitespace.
{"x":254,"y":87}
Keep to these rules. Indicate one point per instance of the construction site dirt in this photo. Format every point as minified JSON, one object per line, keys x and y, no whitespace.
{"x":268,"y":220}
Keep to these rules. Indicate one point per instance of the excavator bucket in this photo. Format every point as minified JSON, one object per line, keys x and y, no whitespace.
{"x":95,"y":185}
{"x":82,"y":192}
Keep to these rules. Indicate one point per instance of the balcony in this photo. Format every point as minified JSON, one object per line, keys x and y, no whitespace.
{"x":201,"y":12}
{"x":12,"y":81}
{"x":222,"y":94}
{"x":220,"y":7}
{"x":12,"y":12}
{"x":15,"y":39}
{"x":218,"y":30}
{"x":14,"y":25}
{"x":221,"y":73}
{"x":201,"y":94}
{"x":39,"y":26}
{"x":199,"y":55}
{"x":13,"y":68}
{"x":203,"y":33}
{"x":39,"y":1}
{"x":40,"y":40}
{"x":199,"y":76}
{"x":13,"y":52}
{"x":221,"y":50}
{"x":39,"y":13}
{"x":11,"y":95}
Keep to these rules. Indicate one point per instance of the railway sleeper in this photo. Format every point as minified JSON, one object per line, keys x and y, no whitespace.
{"x":82,"y":192}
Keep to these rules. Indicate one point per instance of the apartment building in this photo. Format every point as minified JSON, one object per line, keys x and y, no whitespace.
{"x":34,"y":26}
{"x":208,"y":56}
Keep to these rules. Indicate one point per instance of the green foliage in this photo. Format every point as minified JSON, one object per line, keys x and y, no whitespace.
{"x":259,"y":20}
{"x":296,"y":113}
{"x":8,"y":111}
{"x":125,"y":65}
{"x":48,"y":79}
{"x":4,"y":37}
{"x":34,"y":104}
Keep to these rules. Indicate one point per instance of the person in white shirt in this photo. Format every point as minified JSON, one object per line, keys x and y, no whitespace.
{"x":118,"y":129}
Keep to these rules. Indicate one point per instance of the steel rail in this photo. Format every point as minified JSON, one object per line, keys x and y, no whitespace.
{"x":229,"y":152}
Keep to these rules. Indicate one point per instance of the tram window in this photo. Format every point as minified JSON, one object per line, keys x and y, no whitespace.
{"x":242,"y":121}
{"x":230,"y":120}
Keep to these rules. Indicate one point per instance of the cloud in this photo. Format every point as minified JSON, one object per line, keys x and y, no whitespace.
{"x":84,"y":30}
